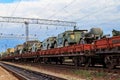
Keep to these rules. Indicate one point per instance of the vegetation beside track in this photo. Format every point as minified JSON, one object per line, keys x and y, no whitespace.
{"x":95,"y":75}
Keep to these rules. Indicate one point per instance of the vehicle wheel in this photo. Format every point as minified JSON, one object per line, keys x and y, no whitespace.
{"x":55,"y":45}
{"x":48,"y":46}
{"x":82,"y":41}
{"x":66,"y":43}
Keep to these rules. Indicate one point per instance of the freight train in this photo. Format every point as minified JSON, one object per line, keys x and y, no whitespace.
{"x":83,"y":48}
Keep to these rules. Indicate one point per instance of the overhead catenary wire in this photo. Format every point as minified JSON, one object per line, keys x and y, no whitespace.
{"x":62,"y":9}
{"x":95,"y":12}
{"x":83,"y":8}
{"x":15,"y":8}
{"x":118,"y":19}
{"x":46,"y":6}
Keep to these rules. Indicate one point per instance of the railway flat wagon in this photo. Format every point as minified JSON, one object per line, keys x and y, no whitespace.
{"x":109,"y":50}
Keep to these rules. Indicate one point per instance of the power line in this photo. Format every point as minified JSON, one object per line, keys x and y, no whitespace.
{"x":93,"y":13}
{"x":118,"y":19}
{"x":82,"y":9}
{"x":46,"y":6}
{"x":62,"y":9}
{"x":15,"y":8}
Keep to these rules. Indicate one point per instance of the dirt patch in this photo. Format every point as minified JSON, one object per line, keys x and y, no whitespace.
{"x":5,"y":75}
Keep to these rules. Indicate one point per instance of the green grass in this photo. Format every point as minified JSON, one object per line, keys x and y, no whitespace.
{"x":89,"y":75}
{"x":118,"y":79}
{"x":99,"y":74}
{"x":83,"y":73}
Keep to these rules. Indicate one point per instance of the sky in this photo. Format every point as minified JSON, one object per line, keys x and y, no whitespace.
{"x":86,"y":13}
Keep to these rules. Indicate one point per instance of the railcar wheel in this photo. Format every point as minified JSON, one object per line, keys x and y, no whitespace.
{"x":55,"y":45}
{"x":109,"y":62}
{"x":92,"y":63}
{"x":87,"y":62}
{"x":81,"y":60}
{"x":48,"y":46}
{"x":61,"y":60}
{"x":76,"y":61}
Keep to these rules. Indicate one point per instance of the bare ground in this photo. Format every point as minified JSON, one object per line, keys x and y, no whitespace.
{"x":5,"y":75}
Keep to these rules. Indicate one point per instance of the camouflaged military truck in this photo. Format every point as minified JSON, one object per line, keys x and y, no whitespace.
{"x":49,"y":43}
{"x":115,"y":33}
{"x":33,"y":46}
{"x":70,"y":37}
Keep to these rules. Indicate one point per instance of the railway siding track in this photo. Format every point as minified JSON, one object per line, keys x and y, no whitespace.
{"x":24,"y":74}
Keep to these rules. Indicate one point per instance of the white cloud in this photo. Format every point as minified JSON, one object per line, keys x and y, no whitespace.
{"x":72,"y":11}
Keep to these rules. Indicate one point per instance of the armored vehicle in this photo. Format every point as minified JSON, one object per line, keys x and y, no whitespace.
{"x":49,"y":43}
{"x":115,"y":32}
{"x":93,"y":34}
{"x":32,"y":46}
{"x":18,"y":49}
{"x":70,"y":37}
{"x":10,"y":51}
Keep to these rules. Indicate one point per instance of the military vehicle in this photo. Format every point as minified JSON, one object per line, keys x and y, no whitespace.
{"x":70,"y":37}
{"x":36,"y":46}
{"x":49,"y":43}
{"x":93,"y":34}
{"x":115,"y":33}
{"x":18,"y":49}
{"x":10,"y":51}
{"x":33,"y":46}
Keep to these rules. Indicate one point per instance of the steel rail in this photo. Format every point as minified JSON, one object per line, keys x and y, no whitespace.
{"x":25,"y":74}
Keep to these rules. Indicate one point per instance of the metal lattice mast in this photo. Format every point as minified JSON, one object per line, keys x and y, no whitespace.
{"x":28,"y":21}
{"x":27,"y":31}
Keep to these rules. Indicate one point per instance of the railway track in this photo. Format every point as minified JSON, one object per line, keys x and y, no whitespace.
{"x":24,"y":74}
